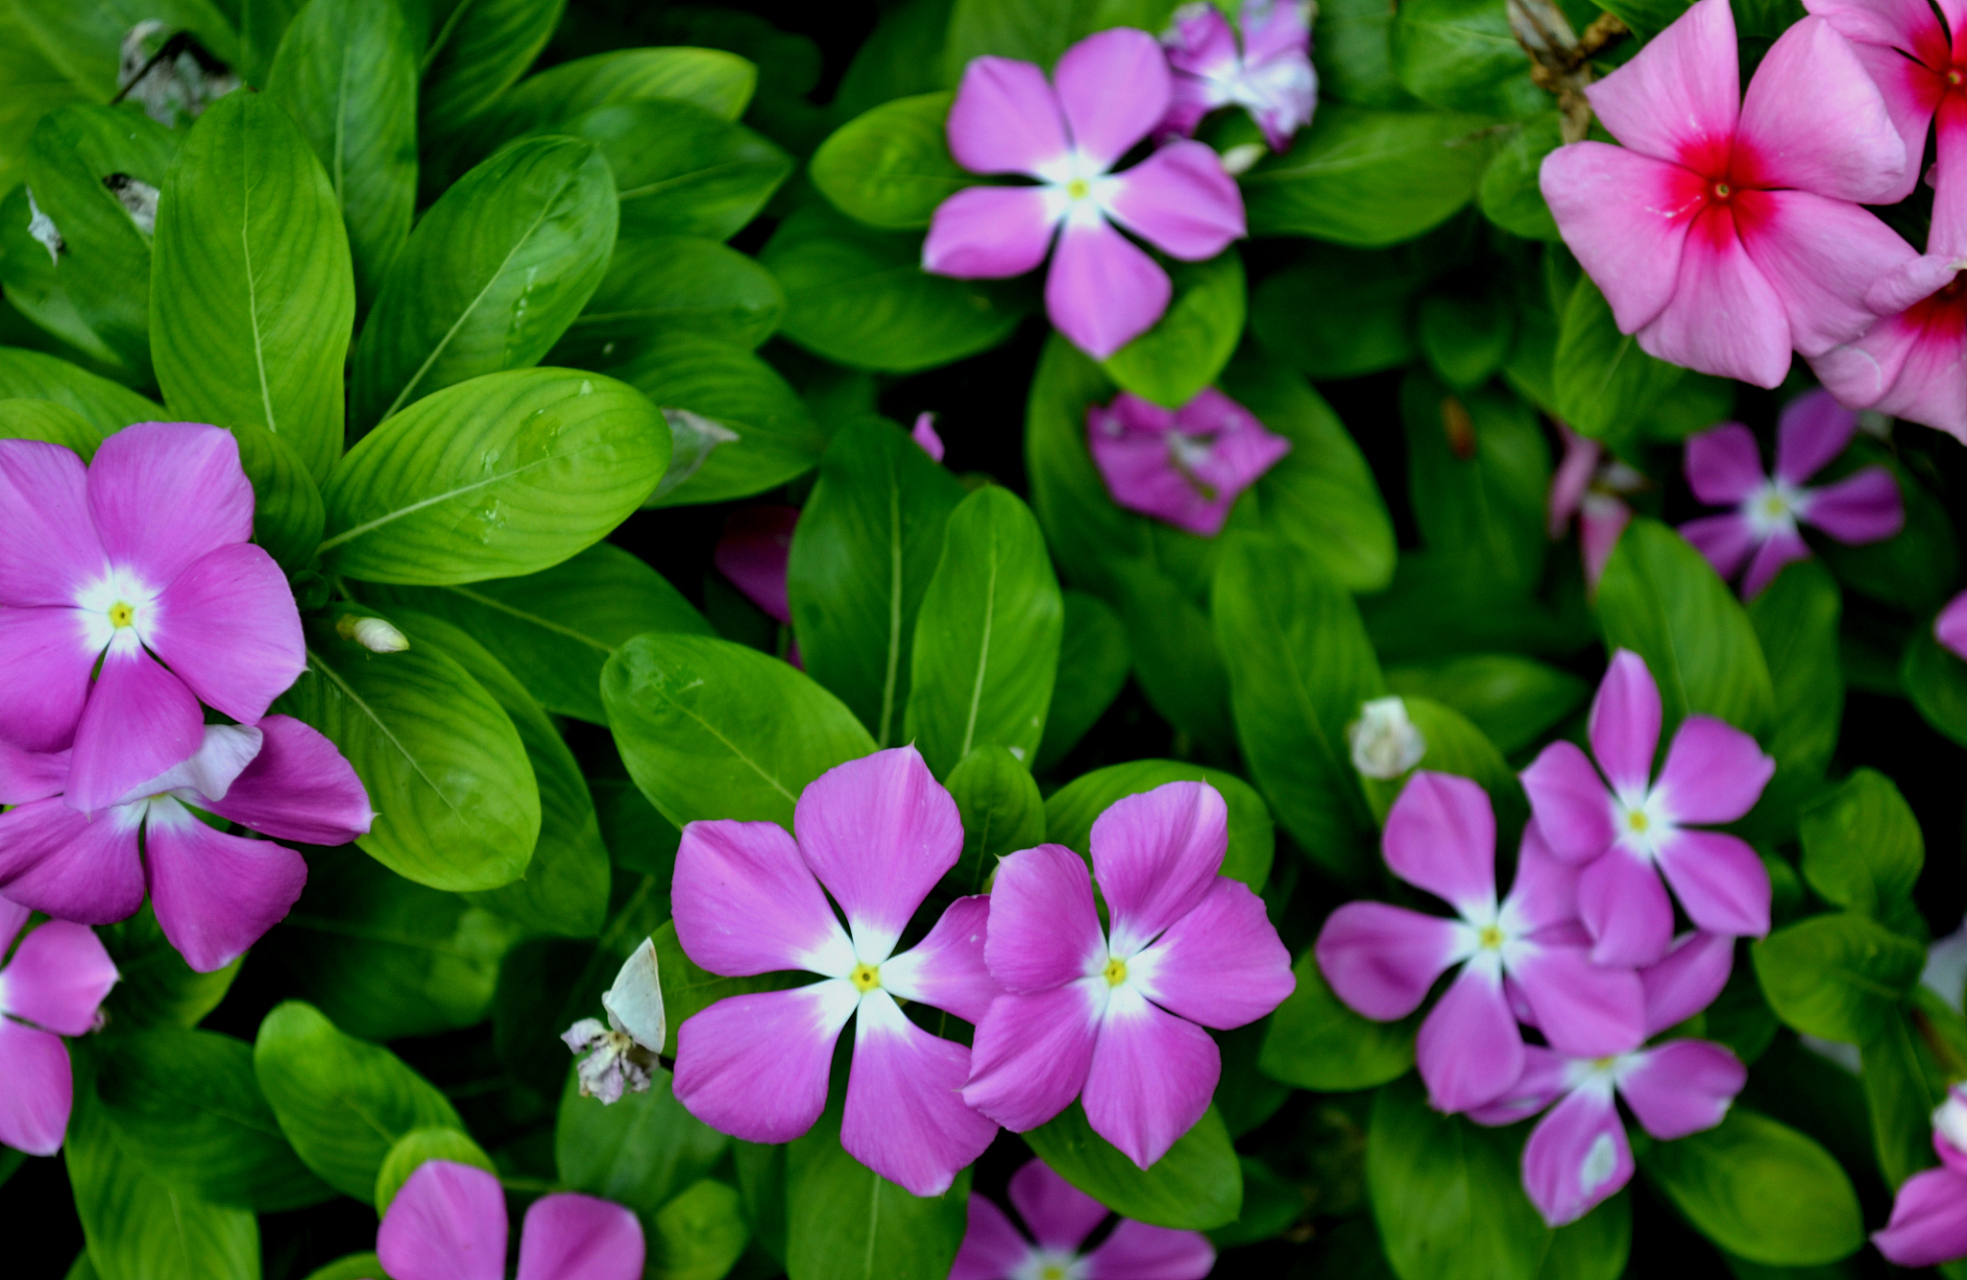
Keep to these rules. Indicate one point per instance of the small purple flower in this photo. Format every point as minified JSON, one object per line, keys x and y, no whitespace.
{"x":1271,"y":76}
{"x":448,"y":1223}
{"x":1115,"y":1016}
{"x":752,"y":553}
{"x":1186,"y":466}
{"x":1724,"y":466}
{"x":215,"y":894}
{"x":1382,"y":959}
{"x":1061,"y":1217}
{"x":877,"y":833}
{"x":1929,"y":1217}
{"x":1589,"y":487}
{"x":1627,"y":834}
{"x":144,"y":555}
{"x":1950,"y":628}
{"x":925,"y":435}
{"x":1112,"y":89}
{"x":52,"y":987}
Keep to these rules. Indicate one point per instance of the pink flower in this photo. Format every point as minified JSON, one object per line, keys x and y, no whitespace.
{"x":752,"y":553}
{"x":1725,"y":467}
{"x":1271,"y":76}
{"x":1588,"y":487}
{"x":1381,"y":959}
{"x":1112,"y":88}
{"x":1929,"y":1217}
{"x":1186,"y":466}
{"x":1918,"y":70}
{"x":1114,"y":1015}
{"x":925,"y":435}
{"x":140,"y":557}
{"x":878,"y":833}
{"x":52,"y":987}
{"x":1061,"y":1217}
{"x":448,"y":1223}
{"x":1727,"y":230}
{"x":1627,"y":835}
{"x":215,"y":894}
{"x":1950,"y":628}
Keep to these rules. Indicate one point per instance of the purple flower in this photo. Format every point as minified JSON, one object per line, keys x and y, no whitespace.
{"x":1186,"y":466}
{"x":142,"y":556}
{"x":1627,"y":834}
{"x":925,"y":435}
{"x":1929,"y":1217}
{"x":448,"y":1223}
{"x":1724,"y":466}
{"x":215,"y":894}
{"x":1381,"y":959}
{"x":1950,"y":628}
{"x":1061,"y":1216}
{"x":1112,"y":89}
{"x":52,"y":987}
{"x":1270,"y":77}
{"x":1115,"y":1015}
{"x":878,"y":833}
{"x":1589,"y":487}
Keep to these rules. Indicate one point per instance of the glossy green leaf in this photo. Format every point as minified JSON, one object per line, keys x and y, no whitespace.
{"x":1188,"y":346}
{"x":38,"y":300}
{"x":681,"y":170}
{"x":287,"y":513}
{"x":700,"y":1234}
{"x":1094,"y":659}
{"x":1796,"y":622}
{"x":719,"y":82}
{"x":35,"y":87}
{"x":1462,"y":55}
{"x":1595,"y":1247}
{"x":1936,"y":680}
{"x":846,"y":1222}
{"x":83,"y":37}
{"x":671,"y":284}
{"x":1902,"y":1088}
{"x":1038,"y":30}
{"x":1837,"y":976}
{"x":640,"y":1151}
{"x":1351,"y":51}
{"x":1290,"y":315}
{"x":1513,"y":700}
{"x":356,"y":1266}
{"x":901,"y":56}
{"x":1603,"y":383}
{"x":416,"y":1148}
{"x":1510,"y":196}
{"x":1002,"y":811}
{"x":479,"y":50}
{"x":1197,"y":1185}
{"x":1478,"y":478}
{"x":1862,"y":847}
{"x":1315,"y":1042}
{"x":1072,"y":810}
{"x":46,"y":420}
{"x":1465,"y":336}
{"x":262,"y":25}
{"x":890,"y":167}
{"x":1760,"y":1190}
{"x":30,"y":375}
{"x":1178,"y":660}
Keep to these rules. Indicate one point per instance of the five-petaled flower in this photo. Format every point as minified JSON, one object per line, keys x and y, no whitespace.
{"x":1187,"y":466}
{"x":1060,"y":1217}
{"x":448,"y":1223}
{"x":1590,"y":488}
{"x":51,"y":987}
{"x":1107,"y":93}
{"x":1929,"y":1216}
{"x":1114,"y":1014}
{"x":877,"y":833}
{"x":1724,"y":467}
{"x":1270,"y":76}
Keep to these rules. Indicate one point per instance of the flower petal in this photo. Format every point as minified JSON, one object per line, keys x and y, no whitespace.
{"x":446,"y":1223}
{"x":1156,"y":856}
{"x":1719,"y":880}
{"x":51,"y":551}
{"x":163,"y":494}
{"x":1682,"y":1087}
{"x":1201,"y":42}
{"x":947,"y":968}
{"x":1058,"y":1214}
{"x":12,"y":916}
{"x":1103,"y":291}
{"x":575,"y":1237}
{"x":1139,"y":470}
{"x":299,"y":787}
{"x":1861,"y":508}
{"x":30,"y":775}
{"x":1032,"y":1053}
{"x":1724,"y":465}
{"x":1151,"y":1079}
{"x":1813,"y":430}
{"x":905,"y":1117}
{"x":1626,"y":216}
{"x":1625,"y":909}
{"x":229,"y":629}
{"x":1113,"y":87}
{"x":1681,"y":92}
{"x":1044,"y":930}
{"x":1949,"y":229}
{"x":1821,"y":257}
{"x":879,"y":832}
{"x":985,"y":233}
{"x":1912,"y":366}
{"x":1713,"y":773}
{"x":1441,"y":836}
{"x":1382,"y":960}
{"x":1599,"y":527}
{"x":1573,"y":810}
{"x":752,"y":553}
{"x":1006,"y":119}
{"x":57,"y":978}
{"x":1929,"y":1220}
{"x":756,"y":1066}
{"x":69,"y":865}
{"x":1725,"y":317}
{"x":215,"y":894}
{"x":1137,"y":1251}
{"x":139,"y":721}
{"x":992,"y":1248}
{"x":48,"y":663}
{"x":1687,"y":980}
{"x":221,"y":757}
{"x":1577,"y":1157}
{"x":1812,"y":119}
{"x":1726,"y":541}
{"x":1179,"y":200}
{"x":1546,"y":1077}
{"x":1571,"y":480}
{"x":1584,"y":1010}
{"x":1625,"y":724}
{"x":39,"y":1089}
{"x":1545,"y":891}
{"x":1950,"y":628}
{"x":747,"y":903}
{"x":1221,"y":965}
{"x":1469,"y":1050}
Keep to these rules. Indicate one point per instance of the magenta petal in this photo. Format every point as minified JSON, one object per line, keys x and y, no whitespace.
{"x":12,"y":916}
{"x":1950,"y":628}
{"x":163,"y":494}
{"x":299,"y":787}
{"x":1599,"y":527}
{"x":1687,"y":980}
{"x":1113,"y":87}
{"x":1682,"y":1087}
{"x":1861,"y":508}
{"x":1006,"y":119}
{"x":48,"y":661}
{"x":1679,"y":92}
{"x":57,"y":978}
{"x":1141,"y":474}
{"x":574,"y":1237}
{"x":1727,"y":541}
{"x":1719,"y":880}
{"x":1180,"y":201}
{"x":228,"y":627}
{"x":1626,"y":910}
{"x":51,"y":551}
{"x":905,"y":1117}
{"x":30,"y":775}
{"x":1626,"y":217}
{"x":1044,"y":930}
{"x":1469,"y":1050}
{"x":1625,"y":723}
{"x":756,"y":1066}
{"x":1058,"y":1214}
{"x":1584,"y":1010}
{"x":752,"y":553}
{"x":1724,"y":465}
{"x":446,"y":1223}
{"x":924,"y":434}
{"x":1032,"y":1053}
{"x":946,"y":969}
{"x":1546,"y":1077}
{"x":1813,"y":430}
{"x":1929,"y":1220}
{"x":1382,"y":960}
{"x":1137,"y":1251}
{"x":985,"y":233}
{"x":1156,"y":855}
{"x":1571,"y":480}
{"x":1151,"y":1079}
{"x":36,"y":1089}
{"x":1221,"y":965}
{"x":215,"y":894}
{"x":992,"y":1248}
{"x":69,"y":865}
{"x":140,"y":720}
{"x":1441,"y":836}
{"x":1545,"y":891}
{"x":746,"y":903}
{"x":1713,"y":773}
{"x":1821,"y":257}
{"x":1572,"y":808}
{"x":1813,"y":120}
{"x":878,"y":832}
{"x":1577,"y":1157}
{"x":1725,"y":316}
{"x":1103,"y":291}
{"x":1274,"y":29}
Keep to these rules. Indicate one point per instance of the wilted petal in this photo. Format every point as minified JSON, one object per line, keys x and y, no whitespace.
{"x":905,"y":1117}
{"x":1584,"y":1010}
{"x":1725,"y":317}
{"x":1221,"y":965}
{"x":229,"y":629}
{"x":36,"y":1089}
{"x":1626,"y":910}
{"x":1626,"y":216}
{"x":947,"y":968}
{"x":1573,"y":809}
{"x":1103,"y":291}
{"x":1682,"y":1087}
{"x":1681,"y":92}
{"x":992,"y":1247}
{"x":1713,"y":773}
{"x":1861,"y":508}
{"x":1929,"y":1220}
{"x":575,"y":1237}
{"x":70,"y":865}
{"x":1032,"y":1053}
{"x":1151,"y":1079}
{"x":163,"y":494}
{"x":57,"y":978}
{"x":48,"y":663}
{"x":1469,"y":1050}
{"x":756,"y":1066}
{"x":1058,"y":1214}
{"x":1113,"y":86}
{"x":1180,"y":201}
{"x":746,"y":903}
{"x":1821,"y":257}
{"x":1724,"y":465}
{"x":1813,"y":120}
{"x":1006,"y":119}
{"x":1625,"y":723}
{"x":1137,"y":1251}
{"x":985,"y":233}
{"x":1813,"y":430}
{"x":1687,"y":980}
{"x":215,"y":894}
{"x":140,"y":720}
{"x":1156,"y":855}
{"x":1382,"y":960}
{"x":50,"y":551}
{"x":1044,"y":930}
{"x":1441,"y":836}
{"x":1719,"y":880}
{"x":299,"y":787}
{"x":1577,"y":1156}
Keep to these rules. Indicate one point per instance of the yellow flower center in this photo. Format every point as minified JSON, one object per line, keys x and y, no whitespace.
{"x":121,"y":615}
{"x":1491,"y":937}
{"x":1079,"y":189}
{"x":1636,"y":820}
{"x":1773,"y":506}
{"x":866,"y":977}
{"x":1116,"y":971}
{"x":1051,"y":1271}
{"x":1722,"y":191}
{"x":1953,"y":75}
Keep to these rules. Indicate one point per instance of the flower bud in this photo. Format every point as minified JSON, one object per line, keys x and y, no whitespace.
{"x":1385,"y":743}
{"x":1950,"y":1119}
{"x":373,"y":634}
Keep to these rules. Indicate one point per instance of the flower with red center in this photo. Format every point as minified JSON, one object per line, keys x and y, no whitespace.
{"x":1061,"y":1217}
{"x":51,"y":987}
{"x":1922,"y":73}
{"x":1727,"y":229}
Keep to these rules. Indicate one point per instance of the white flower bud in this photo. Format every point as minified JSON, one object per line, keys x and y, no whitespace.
{"x":1385,"y":743}
{"x":1951,"y":1120}
{"x":373,"y":634}
{"x":1238,"y":159}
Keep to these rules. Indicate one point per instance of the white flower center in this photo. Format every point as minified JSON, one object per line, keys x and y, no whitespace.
{"x":115,"y":609}
{"x":1641,"y":826}
{"x":1773,"y":508}
{"x":1049,"y":1264}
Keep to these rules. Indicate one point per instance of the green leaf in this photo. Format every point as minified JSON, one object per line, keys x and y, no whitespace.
{"x":1603,"y":383}
{"x":503,"y":475}
{"x":46,"y":420}
{"x":38,"y":301}
{"x":700,"y":1235}
{"x":1514,"y":701}
{"x":1936,"y":680}
{"x":1034,"y":30}
{"x":356,"y":1266}
{"x":1595,"y":1247}
{"x":1509,"y":195}
{"x":1085,"y":529}
{"x":342,"y":1103}
{"x":252,"y":295}
{"x":1094,"y":659}
{"x":1660,"y":598}
{"x":688,"y":990}
{"x":1466,"y":336}
{"x":1373,"y":331}
{"x":846,"y":1222}
{"x":682,"y":170}
{"x":711,"y":729}
{"x":491,"y":277}
{"x":672,"y":284}
{"x":30,"y":375}
{"x":901,"y":56}
{"x":1368,"y":178}
{"x":867,"y":544}
{"x":1478,"y":477}
{"x":1447,"y":1194}
{"x":1917,"y":569}
{"x":1188,"y":346}
{"x":1862,"y":848}
{"x":858,"y":296}
{"x":1837,"y":976}
{"x":34,"y":88}
{"x":1351,"y":50}
{"x":155,"y":987}
{"x":419,"y":1146}
{"x":1902,"y":1087}
{"x":346,"y":71}
{"x":1796,"y":622}
{"x":640,"y":1151}
{"x":1761,"y":1190}
{"x":482,"y":47}
{"x":1073,"y":808}
{"x":1462,"y":55}
{"x":890,"y":167}
{"x":987,"y":637}
{"x":1197,"y":1185}
{"x":287,"y":513}
{"x":457,"y":807}
{"x":1300,"y":667}
{"x":262,"y":26}
{"x":190,"y":1111}
{"x":83,"y":37}
{"x":1315,"y":1042}
{"x":1002,"y":813}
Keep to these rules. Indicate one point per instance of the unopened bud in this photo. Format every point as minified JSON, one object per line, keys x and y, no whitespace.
{"x":373,"y":634}
{"x":1238,"y":159}
{"x":1951,"y":1120}
{"x":1385,"y":743}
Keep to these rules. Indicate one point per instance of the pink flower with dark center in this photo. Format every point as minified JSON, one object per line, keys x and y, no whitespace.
{"x":1589,"y":487}
{"x":1106,"y":94}
{"x":1724,"y":466}
{"x":1929,"y":1216}
{"x":448,"y":1223}
{"x":1382,"y":960}
{"x":142,"y":556}
{"x":877,"y":833}
{"x":51,"y":987}
{"x":1627,"y":834}
{"x":1118,"y":1015}
{"x":1950,"y":628}
{"x":1060,"y":1217}
{"x":1270,"y":77}
{"x":1922,"y":75}
{"x":215,"y":894}
{"x":1727,"y":230}
{"x":752,"y":553}
{"x":1187,"y":466}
